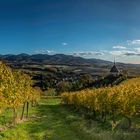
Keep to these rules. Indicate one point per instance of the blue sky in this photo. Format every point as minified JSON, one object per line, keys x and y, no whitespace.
{"x":104,"y":29}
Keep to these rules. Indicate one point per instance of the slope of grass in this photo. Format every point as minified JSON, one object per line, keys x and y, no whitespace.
{"x":47,"y":121}
{"x":53,"y":121}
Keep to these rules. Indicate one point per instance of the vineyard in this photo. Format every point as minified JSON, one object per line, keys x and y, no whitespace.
{"x":16,"y":91}
{"x":122,"y":101}
{"x":54,"y":117}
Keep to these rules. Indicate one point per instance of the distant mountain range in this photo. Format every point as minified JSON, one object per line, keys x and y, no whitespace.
{"x":53,"y":59}
{"x":60,"y":59}
{"x":86,"y":65}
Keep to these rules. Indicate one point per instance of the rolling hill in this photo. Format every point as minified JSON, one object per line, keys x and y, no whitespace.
{"x":87,"y":65}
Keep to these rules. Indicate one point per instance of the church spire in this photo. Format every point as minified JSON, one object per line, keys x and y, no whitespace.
{"x":114,"y":62}
{"x":114,"y":70}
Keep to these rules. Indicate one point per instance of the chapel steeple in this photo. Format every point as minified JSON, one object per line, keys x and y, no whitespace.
{"x":114,"y":70}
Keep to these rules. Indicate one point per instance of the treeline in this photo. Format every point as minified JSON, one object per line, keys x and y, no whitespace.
{"x":122,"y":100}
{"x":16,"y":91}
{"x":61,"y":82}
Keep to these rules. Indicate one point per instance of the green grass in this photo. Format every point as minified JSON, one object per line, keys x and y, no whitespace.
{"x":53,"y":121}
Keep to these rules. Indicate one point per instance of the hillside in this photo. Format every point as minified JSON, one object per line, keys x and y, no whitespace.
{"x":59,"y":59}
{"x":98,"y":113}
{"x":92,"y":66}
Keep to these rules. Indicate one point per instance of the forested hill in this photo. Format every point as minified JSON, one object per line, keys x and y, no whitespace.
{"x":86,"y":65}
{"x":59,"y":59}
{"x":53,"y":59}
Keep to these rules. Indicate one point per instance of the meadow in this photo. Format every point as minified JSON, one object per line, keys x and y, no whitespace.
{"x":51,"y":120}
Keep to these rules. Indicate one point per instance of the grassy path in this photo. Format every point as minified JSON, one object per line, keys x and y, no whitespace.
{"x":49,"y":121}
{"x":52,"y":121}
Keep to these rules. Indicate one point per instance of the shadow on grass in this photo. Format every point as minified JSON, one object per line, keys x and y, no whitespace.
{"x":52,"y":122}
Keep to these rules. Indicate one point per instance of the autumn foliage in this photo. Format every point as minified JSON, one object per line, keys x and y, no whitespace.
{"x":15,"y":91}
{"x":122,"y":100}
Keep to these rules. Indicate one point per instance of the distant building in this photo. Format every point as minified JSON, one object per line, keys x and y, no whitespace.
{"x":114,"y":70}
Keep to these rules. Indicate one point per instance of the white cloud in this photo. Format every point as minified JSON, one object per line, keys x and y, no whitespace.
{"x":132,"y":54}
{"x":119,"y":47}
{"x":137,"y":50}
{"x":43,"y":51}
{"x":88,"y":53}
{"x":64,"y":43}
{"x":115,"y":53}
{"x":125,"y":53}
{"x":133,"y":42}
